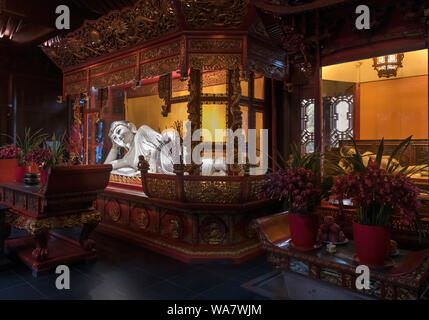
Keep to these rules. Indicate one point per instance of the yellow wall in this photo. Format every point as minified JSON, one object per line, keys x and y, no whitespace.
{"x":214,"y":117}
{"x":394,"y":109}
{"x":259,"y":88}
{"x":147,"y":110}
{"x":218,"y":89}
{"x":415,"y":63}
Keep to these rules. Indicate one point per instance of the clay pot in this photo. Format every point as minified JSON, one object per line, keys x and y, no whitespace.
{"x":7,"y":169}
{"x":303,"y":229}
{"x":372,"y":244}
{"x":20,"y":172}
{"x":44,"y":176}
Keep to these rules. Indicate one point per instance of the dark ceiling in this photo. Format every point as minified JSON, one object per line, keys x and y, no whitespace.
{"x":29,"y":22}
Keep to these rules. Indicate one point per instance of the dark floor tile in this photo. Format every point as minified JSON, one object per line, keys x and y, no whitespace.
{"x":164,"y":290}
{"x":21,"y":292}
{"x":253,"y":273}
{"x":228,"y":271}
{"x":10,"y":278}
{"x":46,"y":284}
{"x":197,"y":279}
{"x":125,"y":271}
{"x":228,"y":290}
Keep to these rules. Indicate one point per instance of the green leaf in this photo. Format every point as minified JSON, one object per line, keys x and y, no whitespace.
{"x":380,"y":152}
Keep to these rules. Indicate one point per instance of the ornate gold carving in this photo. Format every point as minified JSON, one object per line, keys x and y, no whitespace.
{"x":74,"y":77}
{"x":140,"y":217}
{"x":143,"y":164}
{"x":167,"y":50}
{"x":213,"y":78}
{"x":194,"y":103}
{"x":75,"y":88}
{"x":38,"y":226}
{"x":164,"y":92}
{"x":173,"y":226}
{"x":147,"y":20}
{"x":113,"y":209}
{"x":114,"y":78}
{"x":179,"y":85}
{"x":127,"y":61}
{"x":125,"y":179}
{"x":206,"y":14}
{"x":212,"y":191}
{"x":210,"y":44}
{"x":234,"y":111}
{"x":159,"y":67}
{"x":213,"y":230}
{"x":215,"y":61}
{"x":268,"y":70}
{"x":161,"y":188}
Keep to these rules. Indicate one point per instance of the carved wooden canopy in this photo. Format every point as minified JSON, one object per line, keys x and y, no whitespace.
{"x":156,"y":37}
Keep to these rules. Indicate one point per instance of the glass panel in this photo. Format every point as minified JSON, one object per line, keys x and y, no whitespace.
{"x":342,"y":110}
{"x":99,"y":139}
{"x":259,"y":126}
{"x":245,"y":119}
{"x":118,"y":102}
{"x":89,"y":130}
{"x":214,"y":82}
{"x":307,"y":125}
{"x":259,"y":87}
{"x":214,"y":117}
{"x":244,"y":88}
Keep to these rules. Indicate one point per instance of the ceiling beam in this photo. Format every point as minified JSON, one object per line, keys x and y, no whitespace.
{"x":286,"y":9}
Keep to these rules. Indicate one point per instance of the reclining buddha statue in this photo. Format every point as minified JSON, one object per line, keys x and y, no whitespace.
{"x":417,"y":171}
{"x":162,"y":151}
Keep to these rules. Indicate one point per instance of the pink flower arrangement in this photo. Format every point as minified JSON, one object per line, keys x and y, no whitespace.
{"x":295,"y":187}
{"x":10,"y":152}
{"x":39,"y":156}
{"x":378,"y":194}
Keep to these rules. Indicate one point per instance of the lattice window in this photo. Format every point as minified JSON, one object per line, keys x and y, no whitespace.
{"x":307,"y":125}
{"x":341,"y":116}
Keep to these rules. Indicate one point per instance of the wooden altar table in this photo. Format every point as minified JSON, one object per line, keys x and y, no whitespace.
{"x":4,"y":263}
{"x":406,"y":279}
{"x":66,"y":200}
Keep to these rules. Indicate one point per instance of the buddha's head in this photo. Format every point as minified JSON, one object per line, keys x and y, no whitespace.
{"x":122,"y":133}
{"x":347,"y":151}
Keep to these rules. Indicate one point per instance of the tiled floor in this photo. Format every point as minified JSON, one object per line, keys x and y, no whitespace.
{"x":123,"y":271}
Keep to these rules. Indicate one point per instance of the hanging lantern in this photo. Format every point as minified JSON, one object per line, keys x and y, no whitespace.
{"x":387,"y":66}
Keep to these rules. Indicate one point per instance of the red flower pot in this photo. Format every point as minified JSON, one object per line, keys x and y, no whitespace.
{"x":303,"y":229}
{"x":20,"y":172}
{"x":7,"y":169}
{"x":44,"y":176}
{"x":372,"y":244}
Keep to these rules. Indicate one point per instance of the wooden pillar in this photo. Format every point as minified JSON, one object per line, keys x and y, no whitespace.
{"x":234,"y":116}
{"x":274,"y":123}
{"x":318,"y":103}
{"x":194,"y":108}
{"x":356,"y":112}
{"x":252,"y":112}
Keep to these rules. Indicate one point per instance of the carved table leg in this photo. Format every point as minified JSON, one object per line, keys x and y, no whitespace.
{"x":4,"y":234}
{"x":85,"y":242}
{"x":41,"y":251}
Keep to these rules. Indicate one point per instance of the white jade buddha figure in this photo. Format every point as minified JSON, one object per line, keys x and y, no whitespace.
{"x":159,"y":150}
{"x":162,"y":151}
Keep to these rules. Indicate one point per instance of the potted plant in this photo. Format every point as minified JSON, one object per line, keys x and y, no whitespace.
{"x":379,"y":190}
{"x":9,"y":156}
{"x":39,"y":157}
{"x":296,"y":187}
{"x":56,"y":151}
